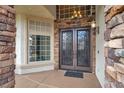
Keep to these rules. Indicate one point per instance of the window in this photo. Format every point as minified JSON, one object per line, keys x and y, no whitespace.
{"x":39,"y":41}
{"x":39,"y":48}
{"x":66,"y":11}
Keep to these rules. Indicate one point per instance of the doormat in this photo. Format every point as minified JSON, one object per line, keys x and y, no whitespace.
{"x":76,"y":74}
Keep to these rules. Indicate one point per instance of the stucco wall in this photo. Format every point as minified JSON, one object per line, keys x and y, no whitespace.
{"x":100,"y":60}
{"x":22,"y":64}
{"x":51,"y":9}
{"x":37,"y":10}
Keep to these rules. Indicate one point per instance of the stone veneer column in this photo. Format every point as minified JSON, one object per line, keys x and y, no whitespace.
{"x":114,"y":46}
{"x":7,"y":46}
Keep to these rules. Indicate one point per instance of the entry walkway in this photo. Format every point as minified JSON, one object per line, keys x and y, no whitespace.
{"x":56,"y":79}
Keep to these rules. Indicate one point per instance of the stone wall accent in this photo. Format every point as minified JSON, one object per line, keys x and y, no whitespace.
{"x":73,"y":23}
{"x":114,"y":46}
{"x":7,"y":46}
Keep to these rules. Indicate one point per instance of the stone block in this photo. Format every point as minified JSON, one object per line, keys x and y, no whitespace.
{"x":120,"y":77}
{"x":109,"y":61}
{"x":4,"y":70}
{"x":6,"y":75}
{"x":114,"y":11}
{"x":6,"y":49}
{"x":2,"y":26}
{"x":3,"y":11}
{"x":8,"y":8}
{"x":10,"y":43}
{"x":111,"y":54}
{"x":9,"y":84}
{"x":3,"y":43}
{"x":3,"y":81}
{"x":108,"y":77}
{"x":6,"y":33}
{"x":119,"y":52}
{"x":11,"y":28}
{"x":7,"y":38}
{"x":111,"y":71}
{"x":107,"y":9}
{"x":121,"y":60}
{"x":116,"y":20}
{"x":119,"y":67}
{"x":107,"y":35}
{"x":4,"y":56}
{"x":119,"y":85}
{"x":11,"y":78}
{"x":117,"y":32}
{"x":6,"y":63}
{"x":11,"y":21}
{"x":107,"y":85}
{"x":3,"y":19}
{"x":113,"y":84}
{"x":116,"y":43}
{"x":11,"y":15}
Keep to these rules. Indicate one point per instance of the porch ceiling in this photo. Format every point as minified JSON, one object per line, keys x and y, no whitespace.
{"x":37,"y":10}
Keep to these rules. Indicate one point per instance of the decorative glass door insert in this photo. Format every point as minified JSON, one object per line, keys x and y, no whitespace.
{"x":75,"y":49}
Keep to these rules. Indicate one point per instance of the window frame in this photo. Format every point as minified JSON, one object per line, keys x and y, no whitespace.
{"x":40,"y":33}
{"x":71,"y":8}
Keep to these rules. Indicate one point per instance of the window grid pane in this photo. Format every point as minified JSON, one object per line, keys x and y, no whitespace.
{"x":66,"y":11}
{"x":40,"y":50}
{"x":39,"y":40}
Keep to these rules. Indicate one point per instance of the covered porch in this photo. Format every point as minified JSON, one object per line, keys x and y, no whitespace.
{"x":39,"y":44}
{"x":50,"y":41}
{"x":56,"y":79}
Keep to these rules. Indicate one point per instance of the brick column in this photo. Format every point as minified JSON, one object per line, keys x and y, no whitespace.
{"x":114,"y":46}
{"x":7,"y":46}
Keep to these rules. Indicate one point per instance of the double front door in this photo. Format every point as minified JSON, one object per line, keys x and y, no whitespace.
{"x":75,"y":49}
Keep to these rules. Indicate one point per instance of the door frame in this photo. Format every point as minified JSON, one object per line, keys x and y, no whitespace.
{"x":89,"y":69}
{"x":60,"y":46}
{"x":86,"y":68}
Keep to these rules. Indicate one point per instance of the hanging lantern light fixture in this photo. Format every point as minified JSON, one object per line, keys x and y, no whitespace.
{"x":76,"y":14}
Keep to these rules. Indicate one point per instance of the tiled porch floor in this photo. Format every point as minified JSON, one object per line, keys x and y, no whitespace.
{"x":55,"y":79}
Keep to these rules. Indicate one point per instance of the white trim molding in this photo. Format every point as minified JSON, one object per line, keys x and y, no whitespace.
{"x":29,"y":68}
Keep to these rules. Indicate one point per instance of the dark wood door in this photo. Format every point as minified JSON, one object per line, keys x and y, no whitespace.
{"x":75,"y":49}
